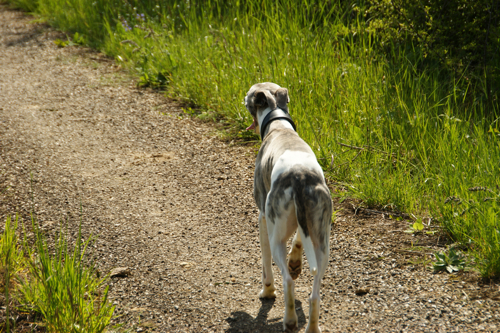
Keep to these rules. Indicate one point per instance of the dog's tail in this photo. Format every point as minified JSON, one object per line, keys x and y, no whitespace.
{"x":313,"y":208}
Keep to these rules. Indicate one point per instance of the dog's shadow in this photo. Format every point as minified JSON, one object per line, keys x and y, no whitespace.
{"x":242,"y":322}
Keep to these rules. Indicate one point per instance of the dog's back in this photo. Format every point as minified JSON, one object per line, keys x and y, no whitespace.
{"x":273,"y":147}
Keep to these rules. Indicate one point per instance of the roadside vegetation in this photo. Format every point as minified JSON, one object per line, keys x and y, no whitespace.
{"x":55,"y":286}
{"x":401,"y":112}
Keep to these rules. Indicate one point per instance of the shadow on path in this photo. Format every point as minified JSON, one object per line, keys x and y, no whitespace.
{"x":242,"y":322}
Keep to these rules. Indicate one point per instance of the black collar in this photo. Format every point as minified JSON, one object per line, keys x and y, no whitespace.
{"x":274,"y":115}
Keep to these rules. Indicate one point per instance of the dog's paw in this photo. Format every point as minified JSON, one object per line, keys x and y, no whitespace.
{"x":291,"y":325}
{"x":267,"y":292}
{"x":313,"y":329}
{"x":295,"y":268}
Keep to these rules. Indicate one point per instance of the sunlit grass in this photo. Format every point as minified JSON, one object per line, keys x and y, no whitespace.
{"x":417,"y":135}
{"x":57,"y":283}
{"x":62,"y":287}
{"x":11,"y":263}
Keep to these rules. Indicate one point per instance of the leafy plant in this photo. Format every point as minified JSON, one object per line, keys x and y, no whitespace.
{"x":453,"y":261}
{"x":61,"y":43}
{"x":418,"y":226}
{"x":79,"y":39}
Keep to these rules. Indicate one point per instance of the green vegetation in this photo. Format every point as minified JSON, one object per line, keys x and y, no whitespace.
{"x":403,"y":118}
{"x":62,"y":288}
{"x":11,"y":263}
{"x":453,"y":261}
{"x":462,"y":36}
{"x":27,"y":5}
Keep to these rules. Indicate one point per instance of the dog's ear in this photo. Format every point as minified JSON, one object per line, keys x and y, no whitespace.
{"x":263,"y":98}
{"x":282,"y":98}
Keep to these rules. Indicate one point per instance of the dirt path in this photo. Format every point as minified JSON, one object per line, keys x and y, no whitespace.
{"x":173,"y":203}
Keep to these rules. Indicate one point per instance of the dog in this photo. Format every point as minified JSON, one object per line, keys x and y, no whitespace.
{"x":291,"y":194}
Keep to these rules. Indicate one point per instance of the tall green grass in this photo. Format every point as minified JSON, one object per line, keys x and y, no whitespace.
{"x":56,"y":282}
{"x":63,"y":288}
{"x":27,"y":5}
{"x":11,"y":263}
{"x":413,"y":136}
{"x":11,"y":254}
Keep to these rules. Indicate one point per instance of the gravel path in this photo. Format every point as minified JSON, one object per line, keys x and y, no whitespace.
{"x":173,"y":203}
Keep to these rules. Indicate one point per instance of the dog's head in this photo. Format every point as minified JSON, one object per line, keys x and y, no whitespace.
{"x":262,"y":96}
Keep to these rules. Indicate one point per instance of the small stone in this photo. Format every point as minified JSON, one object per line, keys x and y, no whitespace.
{"x":186,"y":264}
{"x":138,"y":309}
{"x":120,"y":272}
{"x":362,"y":291}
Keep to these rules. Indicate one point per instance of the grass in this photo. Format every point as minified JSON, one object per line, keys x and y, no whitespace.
{"x":56,"y":283}
{"x":11,"y":263}
{"x":399,"y":133}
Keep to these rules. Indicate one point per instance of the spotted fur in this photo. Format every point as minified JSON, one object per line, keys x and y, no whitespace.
{"x":292,"y":197}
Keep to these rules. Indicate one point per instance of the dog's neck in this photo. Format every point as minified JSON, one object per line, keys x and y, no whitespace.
{"x":274,"y":124}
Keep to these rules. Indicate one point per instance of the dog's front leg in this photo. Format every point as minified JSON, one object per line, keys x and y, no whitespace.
{"x":267,"y":269}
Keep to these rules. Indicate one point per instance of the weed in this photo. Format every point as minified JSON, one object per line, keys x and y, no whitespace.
{"x":78,"y":39}
{"x":419,"y":262}
{"x":416,"y":227}
{"x":453,"y":261}
{"x":60,"y":43}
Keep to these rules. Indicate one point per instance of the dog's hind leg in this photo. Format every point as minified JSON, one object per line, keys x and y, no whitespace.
{"x":290,"y":320}
{"x":280,"y":230}
{"x":316,"y":246}
{"x":295,"y":257}
{"x":314,"y":300}
{"x":267,"y":269}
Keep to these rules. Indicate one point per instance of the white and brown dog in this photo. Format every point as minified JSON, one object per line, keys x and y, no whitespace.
{"x":291,"y":193}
